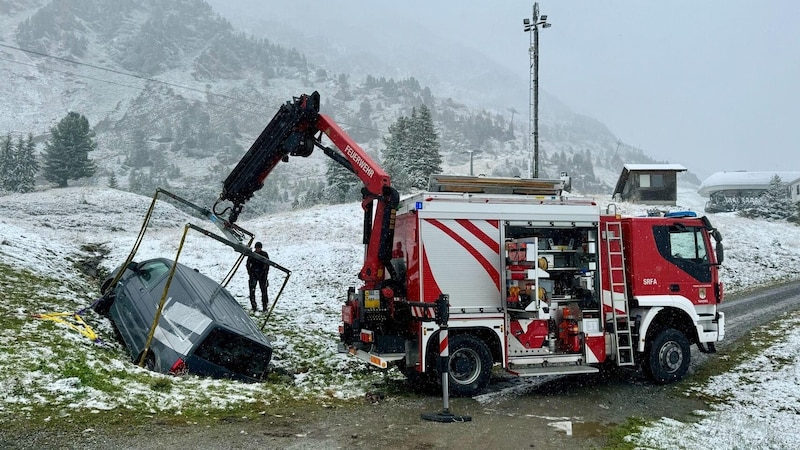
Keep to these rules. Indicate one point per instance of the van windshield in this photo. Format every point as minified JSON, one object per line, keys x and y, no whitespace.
{"x":238,"y":354}
{"x":151,"y":273}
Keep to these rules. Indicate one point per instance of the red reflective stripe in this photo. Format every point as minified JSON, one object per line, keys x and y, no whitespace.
{"x":491,"y":270}
{"x":485,"y":238}
{"x":422,"y":311}
{"x":430,"y":288}
{"x":443,"y":351}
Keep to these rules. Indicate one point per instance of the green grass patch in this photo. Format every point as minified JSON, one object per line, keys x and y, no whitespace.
{"x":88,"y":376}
{"x":161,"y":384}
{"x":616,"y":437}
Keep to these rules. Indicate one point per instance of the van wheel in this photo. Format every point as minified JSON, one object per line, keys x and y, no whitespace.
{"x":470,"y":365}
{"x":103,"y":305}
{"x":667,"y":357}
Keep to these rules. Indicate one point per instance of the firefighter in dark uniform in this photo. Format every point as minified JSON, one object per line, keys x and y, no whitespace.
{"x":258,"y":271}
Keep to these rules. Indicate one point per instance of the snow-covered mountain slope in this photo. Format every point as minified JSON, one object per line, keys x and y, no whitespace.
{"x":187,"y":87}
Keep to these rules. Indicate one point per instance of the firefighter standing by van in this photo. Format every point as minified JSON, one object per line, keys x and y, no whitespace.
{"x":258,"y":271}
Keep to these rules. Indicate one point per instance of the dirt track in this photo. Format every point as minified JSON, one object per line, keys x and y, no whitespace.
{"x":575,"y":411}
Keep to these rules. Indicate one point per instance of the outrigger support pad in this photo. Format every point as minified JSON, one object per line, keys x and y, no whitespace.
{"x":445,"y":417}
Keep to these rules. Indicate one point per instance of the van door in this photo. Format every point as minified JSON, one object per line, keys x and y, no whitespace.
{"x":127,"y":313}
{"x":182,"y":320}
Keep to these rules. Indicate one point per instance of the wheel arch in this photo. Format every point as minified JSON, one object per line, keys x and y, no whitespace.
{"x":485,"y":334}
{"x":657,"y":319}
{"x":474,"y":347}
{"x":152,"y":358}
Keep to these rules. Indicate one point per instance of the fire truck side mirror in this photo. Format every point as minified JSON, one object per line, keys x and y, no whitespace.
{"x":720,"y":252}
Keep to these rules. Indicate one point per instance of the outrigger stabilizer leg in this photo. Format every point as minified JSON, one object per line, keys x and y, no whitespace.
{"x":445,"y":416}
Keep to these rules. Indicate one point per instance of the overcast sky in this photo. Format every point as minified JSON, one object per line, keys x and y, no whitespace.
{"x":708,"y":81}
{"x":711,"y":84}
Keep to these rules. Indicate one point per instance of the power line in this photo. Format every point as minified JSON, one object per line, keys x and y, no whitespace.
{"x":102,"y":80}
{"x":119,"y":72}
{"x":70,"y":73}
{"x":140,"y":77}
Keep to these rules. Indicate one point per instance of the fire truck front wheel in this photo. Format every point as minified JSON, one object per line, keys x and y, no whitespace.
{"x":667,"y":358}
{"x":470,"y":365}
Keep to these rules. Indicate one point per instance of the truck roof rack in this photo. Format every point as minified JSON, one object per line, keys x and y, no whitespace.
{"x":495,"y":185}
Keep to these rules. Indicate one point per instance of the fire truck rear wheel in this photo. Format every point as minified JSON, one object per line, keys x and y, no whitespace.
{"x":423,"y":382}
{"x":668,"y":356}
{"x":470,"y":365}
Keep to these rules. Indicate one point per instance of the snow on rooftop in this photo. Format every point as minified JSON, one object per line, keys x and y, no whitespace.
{"x":721,"y":181}
{"x":677,"y":167}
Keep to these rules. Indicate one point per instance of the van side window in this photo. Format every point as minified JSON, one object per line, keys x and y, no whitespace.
{"x":151,"y":273}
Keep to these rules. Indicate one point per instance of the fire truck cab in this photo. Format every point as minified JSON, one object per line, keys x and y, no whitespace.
{"x":538,"y":284}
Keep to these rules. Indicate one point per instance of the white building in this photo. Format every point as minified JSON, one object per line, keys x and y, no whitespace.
{"x":727,"y":191}
{"x":794,"y":190}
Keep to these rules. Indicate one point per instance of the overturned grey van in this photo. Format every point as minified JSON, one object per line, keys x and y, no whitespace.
{"x":201,"y":330}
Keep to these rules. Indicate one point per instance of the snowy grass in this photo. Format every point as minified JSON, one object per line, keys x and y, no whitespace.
{"x":756,"y":404}
{"x":49,"y":368}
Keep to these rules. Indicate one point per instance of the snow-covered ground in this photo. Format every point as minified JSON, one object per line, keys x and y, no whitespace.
{"x":761,"y":409}
{"x":46,"y":232}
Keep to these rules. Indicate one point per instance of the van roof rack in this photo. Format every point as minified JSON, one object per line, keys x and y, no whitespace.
{"x":495,"y":185}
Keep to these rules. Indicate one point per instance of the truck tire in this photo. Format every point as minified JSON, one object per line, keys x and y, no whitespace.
{"x":422,"y":382}
{"x":667,"y":356}
{"x":470,"y":365}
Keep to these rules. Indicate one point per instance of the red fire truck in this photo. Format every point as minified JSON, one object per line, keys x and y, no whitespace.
{"x":539,"y":284}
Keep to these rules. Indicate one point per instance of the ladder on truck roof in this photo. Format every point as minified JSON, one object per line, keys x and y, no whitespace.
{"x":617,"y":280}
{"x":496,"y":185}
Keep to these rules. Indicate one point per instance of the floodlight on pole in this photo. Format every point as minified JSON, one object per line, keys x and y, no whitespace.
{"x":533,"y":24}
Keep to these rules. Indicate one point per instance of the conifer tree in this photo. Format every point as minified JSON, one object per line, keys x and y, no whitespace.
{"x":795,"y":217}
{"x":341,"y":183}
{"x":777,"y":200}
{"x":112,"y":180}
{"x":25,"y":165}
{"x":412,"y":152}
{"x":6,"y":161}
{"x":395,"y":156}
{"x":774,"y":203}
{"x":427,"y":159}
{"x":18,"y":165}
{"x":66,"y":154}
